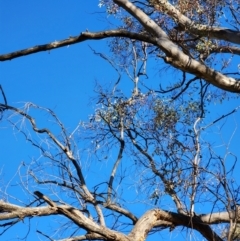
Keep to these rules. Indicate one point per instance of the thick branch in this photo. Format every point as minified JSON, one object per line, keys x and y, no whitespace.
{"x":152,"y":219}
{"x":194,"y":28}
{"x":77,"y":39}
{"x":175,"y":56}
{"x":10,"y":211}
{"x":200,"y":223}
{"x":220,"y":217}
{"x":226,"y":49}
{"x":156,"y":218}
{"x":187,"y":221}
{"x":82,"y":221}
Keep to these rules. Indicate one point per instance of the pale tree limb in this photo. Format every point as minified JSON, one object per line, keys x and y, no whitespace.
{"x":151,"y":219}
{"x":11,"y":211}
{"x":195,"y":167}
{"x":194,"y":28}
{"x":190,"y":222}
{"x":175,"y":56}
{"x":114,"y":170}
{"x":156,"y":217}
{"x":225,"y":49}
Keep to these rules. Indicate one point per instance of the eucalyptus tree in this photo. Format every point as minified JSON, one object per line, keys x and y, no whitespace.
{"x":155,"y":139}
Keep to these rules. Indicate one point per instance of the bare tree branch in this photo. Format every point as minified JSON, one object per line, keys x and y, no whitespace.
{"x":152,"y":218}
{"x":45,"y":198}
{"x":77,"y":39}
{"x":10,"y":211}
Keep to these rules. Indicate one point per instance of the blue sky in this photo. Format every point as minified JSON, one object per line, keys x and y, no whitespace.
{"x":63,"y":79}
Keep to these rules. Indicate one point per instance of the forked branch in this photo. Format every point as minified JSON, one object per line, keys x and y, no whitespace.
{"x":176,"y":57}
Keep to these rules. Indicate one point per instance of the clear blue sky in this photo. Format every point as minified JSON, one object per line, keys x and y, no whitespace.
{"x":62,"y":79}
